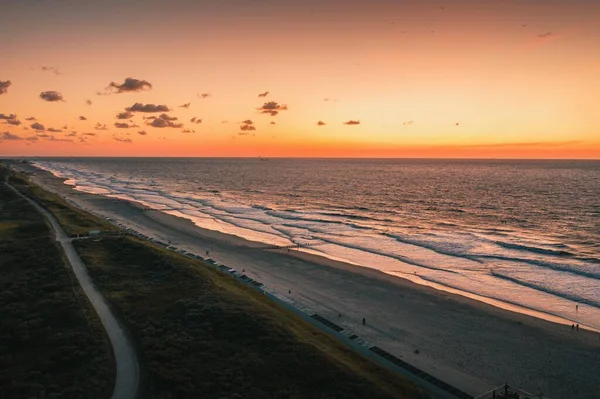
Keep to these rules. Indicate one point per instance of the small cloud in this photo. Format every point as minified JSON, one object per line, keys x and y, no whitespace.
{"x":408,"y":123}
{"x":53,"y":130}
{"x":139,"y":107}
{"x":321,"y":123}
{"x":31,"y":138}
{"x":9,"y":136}
{"x":7,"y":117}
{"x":122,"y":125}
{"x":72,"y":134}
{"x":142,"y":132}
{"x":273,"y":123}
{"x":196,"y":120}
{"x":88,"y":102}
{"x":247,"y":127}
{"x":38,"y":127}
{"x":65,"y":127}
{"x":266,"y":93}
{"x":352,"y":122}
{"x":4,"y":85}
{"x":188,"y":131}
{"x":186,"y":105}
{"x":248,"y":122}
{"x":51,"y":96}
{"x":129,"y":85}
{"x":89,"y":134}
{"x":82,"y":118}
{"x":51,"y":69}
{"x":272,"y":107}
{"x":100,"y":126}
{"x":161,"y":122}
{"x":31,"y":118}
{"x":122,"y":140}
{"x":124,"y":115}
{"x":546,"y":35}
{"x":204,"y":95}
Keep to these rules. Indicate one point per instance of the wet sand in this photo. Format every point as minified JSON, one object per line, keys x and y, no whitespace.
{"x":467,"y":343}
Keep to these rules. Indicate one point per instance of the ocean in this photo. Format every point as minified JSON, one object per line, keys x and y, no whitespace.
{"x":525,"y":233}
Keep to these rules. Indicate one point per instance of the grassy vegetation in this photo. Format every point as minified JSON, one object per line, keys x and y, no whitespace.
{"x":51,"y":343}
{"x":201,"y":333}
{"x":73,"y":220}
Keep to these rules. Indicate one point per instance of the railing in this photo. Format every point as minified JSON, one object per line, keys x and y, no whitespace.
{"x":507,"y":392}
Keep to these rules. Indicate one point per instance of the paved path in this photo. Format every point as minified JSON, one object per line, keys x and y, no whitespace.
{"x":127,"y":379}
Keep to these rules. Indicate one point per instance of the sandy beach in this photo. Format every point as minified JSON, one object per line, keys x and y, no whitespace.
{"x":469,"y":344}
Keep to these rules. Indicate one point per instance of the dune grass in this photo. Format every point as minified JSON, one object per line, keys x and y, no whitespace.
{"x":201,"y":333}
{"x":73,"y":220}
{"x":51,"y":342}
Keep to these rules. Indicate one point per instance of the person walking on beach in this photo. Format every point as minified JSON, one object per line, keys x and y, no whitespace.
{"x":577,"y":327}
{"x":364,"y":321}
{"x":572,"y":327}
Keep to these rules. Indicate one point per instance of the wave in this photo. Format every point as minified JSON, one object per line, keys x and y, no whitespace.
{"x":538,"y":287}
{"x":549,"y":265}
{"x":538,"y":250}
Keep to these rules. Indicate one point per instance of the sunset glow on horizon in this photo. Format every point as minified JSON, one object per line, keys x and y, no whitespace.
{"x":461,"y":79}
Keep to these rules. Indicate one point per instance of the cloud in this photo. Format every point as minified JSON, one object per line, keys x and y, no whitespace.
{"x":72,"y":134}
{"x":321,"y":123}
{"x":124,"y":115}
{"x":546,"y":35}
{"x":248,"y":122}
{"x":352,"y":122}
{"x":51,"y":96}
{"x":65,"y":127}
{"x":31,"y":138}
{"x":4,"y":85}
{"x":408,"y":123}
{"x":7,"y":117}
{"x":53,"y":130}
{"x":38,"y":127}
{"x":31,"y":118}
{"x":187,"y":105}
{"x":122,"y":125}
{"x":247,"y":127}
{"x":266,"y":93}
{"x":161,"y":122}
{"x":204,"y":95}
{"x":122,"y":140}
{"x":272,"y":107}
{"x":14,"y":122}
{"x":196,"y":120}
{"x":130,"y":85}
{"x":88,"y":102}
{"x":100,"y":126}
{"x":139,"y":107}
{"x":164,"y":116}
{"x":82,"y":118}
{"x":89,"y":134}
{"x":142,"y":133}
{"x":273,"y":123}
{"x":10,"y":136}
{"x":188,"y":131}
{"x":50,"y":69}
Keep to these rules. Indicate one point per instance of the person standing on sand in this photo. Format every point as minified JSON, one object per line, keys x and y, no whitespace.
{"x":577,"y":327}
{"x":364,"y":321}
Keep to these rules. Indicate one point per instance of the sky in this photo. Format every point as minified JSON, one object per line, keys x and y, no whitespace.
{"x":328,"y":78}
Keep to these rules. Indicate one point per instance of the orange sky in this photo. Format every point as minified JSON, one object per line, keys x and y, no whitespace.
{"x":504,"y":79}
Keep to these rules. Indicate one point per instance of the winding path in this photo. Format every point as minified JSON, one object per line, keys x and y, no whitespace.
{"x":127,"y":379}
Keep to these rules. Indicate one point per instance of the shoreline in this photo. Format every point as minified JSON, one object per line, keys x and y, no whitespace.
{"x":318,"y":257}
{"x":307,"y":277}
